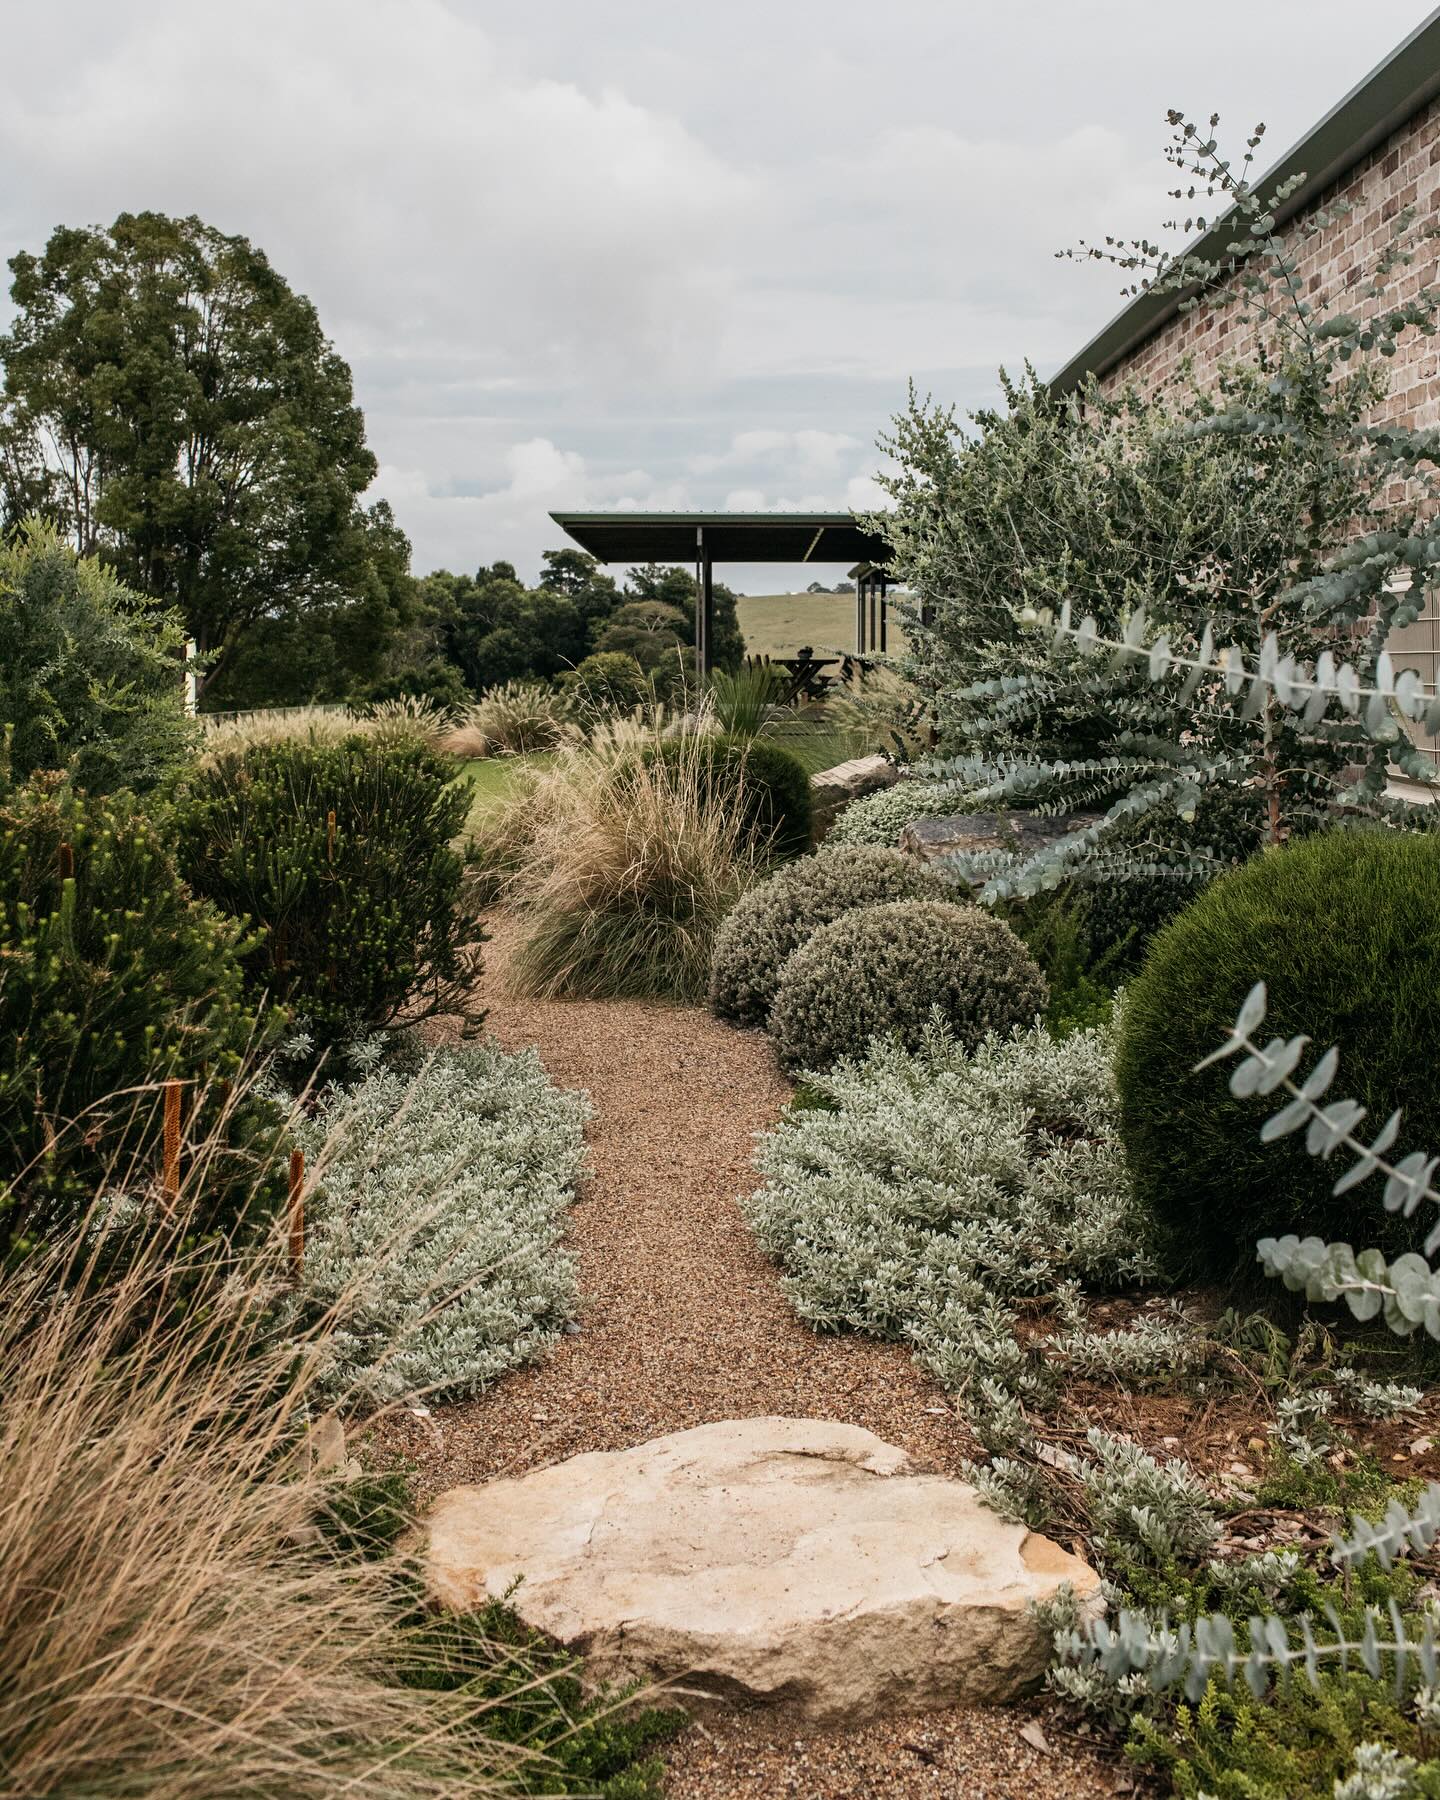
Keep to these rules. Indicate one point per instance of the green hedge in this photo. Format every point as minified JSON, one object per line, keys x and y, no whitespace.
{"x":1345,"y":931}
{"x":344,"y":852}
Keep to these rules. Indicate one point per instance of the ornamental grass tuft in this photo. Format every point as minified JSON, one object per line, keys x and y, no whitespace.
{"x":173,"y":1621}
{"x":627,"y":871}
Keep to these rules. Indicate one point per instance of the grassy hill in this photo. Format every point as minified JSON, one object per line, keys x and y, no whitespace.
{"x":778,"y":624}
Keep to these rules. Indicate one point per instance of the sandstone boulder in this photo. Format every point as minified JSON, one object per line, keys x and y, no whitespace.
{"x":792,"y":1561}
{"x":831,"y":789}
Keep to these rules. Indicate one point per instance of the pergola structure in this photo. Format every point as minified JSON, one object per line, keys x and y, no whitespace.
{"x":706,"y":538}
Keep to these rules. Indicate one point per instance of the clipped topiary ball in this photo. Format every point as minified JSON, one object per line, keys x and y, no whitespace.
{"x":881,"y":971}
{"x":1345,"y":931}
{"x":774,"y":919}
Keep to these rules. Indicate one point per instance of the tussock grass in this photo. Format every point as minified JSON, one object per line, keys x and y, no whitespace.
{"x":179,"y":1619}
{"x":513,"y":720}
{"x":328,"y":724}
{"x":625,"y":866}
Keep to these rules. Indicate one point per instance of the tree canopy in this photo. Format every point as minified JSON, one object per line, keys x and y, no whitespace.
{"x":175,"y":410}
{"x":175,"y":407}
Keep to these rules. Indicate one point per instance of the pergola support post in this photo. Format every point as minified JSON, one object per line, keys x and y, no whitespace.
{"x":884,"y":612}
{"x":704,"y":606}
{"x":860,"y":581}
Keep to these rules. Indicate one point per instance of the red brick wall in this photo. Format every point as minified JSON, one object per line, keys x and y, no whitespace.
{"x":1403,"y":171}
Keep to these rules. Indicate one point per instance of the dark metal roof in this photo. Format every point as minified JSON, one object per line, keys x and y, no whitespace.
{"x":671,"y":537}
{"x":1407,"y":80}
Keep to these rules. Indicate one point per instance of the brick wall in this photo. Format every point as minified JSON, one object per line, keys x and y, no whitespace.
{"x":1403,"y":171}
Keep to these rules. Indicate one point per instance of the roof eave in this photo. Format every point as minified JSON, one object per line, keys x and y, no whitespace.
{"x":1388,"y":97}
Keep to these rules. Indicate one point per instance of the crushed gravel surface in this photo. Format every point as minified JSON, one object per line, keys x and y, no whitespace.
{"x":684,"y":1322}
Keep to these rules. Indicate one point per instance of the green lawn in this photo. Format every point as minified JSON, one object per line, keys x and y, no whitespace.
{"x":778,"y":624}
{"x":815,"y":745}
{"x":491,"y":777}
{"x":818,"y":747}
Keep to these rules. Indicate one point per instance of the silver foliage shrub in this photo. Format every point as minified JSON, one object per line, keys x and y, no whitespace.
{"x":774,"y":919}
{"x":882,"y":970}
{"x":455,"y":1180}
{"x":946,"y":1184}
{"x":880,"y":818}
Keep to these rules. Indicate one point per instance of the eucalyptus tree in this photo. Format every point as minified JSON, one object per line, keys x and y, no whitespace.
{"x":173,"y":405}
{"x":1274,"y":507}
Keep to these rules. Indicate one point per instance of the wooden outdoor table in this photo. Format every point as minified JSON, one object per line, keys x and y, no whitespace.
{"x":806,"y":676}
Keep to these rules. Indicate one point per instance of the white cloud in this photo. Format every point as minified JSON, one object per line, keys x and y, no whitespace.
{"x":583,"y":256}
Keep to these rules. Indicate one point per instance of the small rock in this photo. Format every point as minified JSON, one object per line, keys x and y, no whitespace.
{"x":1421,"y":1445}
{"x":1022,"y":832}
{"x":833,"y":788}
{"x":1036,"y":1738}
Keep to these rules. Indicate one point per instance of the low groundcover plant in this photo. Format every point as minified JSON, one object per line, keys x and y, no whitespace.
{"x":456,"y":1179}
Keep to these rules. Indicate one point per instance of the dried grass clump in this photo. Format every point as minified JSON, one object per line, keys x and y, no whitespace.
{"x":181,"y":1615}
{"x":388,"y":719}
{"x":628,"y":869}
{"x":165,"y":1627}
{"x":513,"y":720}
{"x":891,"y":971}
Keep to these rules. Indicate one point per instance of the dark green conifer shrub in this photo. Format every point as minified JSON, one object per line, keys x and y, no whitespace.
{"x":344,"y":852}
{"x":1345,"y":930}
{"x":91,"y":674}
{"x":774,"y":919}
{"x":882,"y":971}
{"x":113,"y":979}
{"x":772,"y":783}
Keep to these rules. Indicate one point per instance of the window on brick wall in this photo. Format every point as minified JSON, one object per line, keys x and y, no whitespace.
{"x":1417,"y":647}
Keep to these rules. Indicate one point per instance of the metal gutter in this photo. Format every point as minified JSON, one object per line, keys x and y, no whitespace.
{"x":1388,"y":97}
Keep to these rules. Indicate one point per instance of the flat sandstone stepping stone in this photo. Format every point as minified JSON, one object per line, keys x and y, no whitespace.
{"x":794,"y":1561}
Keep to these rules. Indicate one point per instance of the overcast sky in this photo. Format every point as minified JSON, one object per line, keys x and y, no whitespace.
{"x":653,"y":253}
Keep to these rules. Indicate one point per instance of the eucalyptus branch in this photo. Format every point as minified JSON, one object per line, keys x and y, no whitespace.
{"x":1304,"y":689}
{"x":1189,"y":1656}
{"x":1268,"y":1069}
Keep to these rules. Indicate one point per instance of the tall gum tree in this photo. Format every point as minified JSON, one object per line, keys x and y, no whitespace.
{"x":177,"y":409}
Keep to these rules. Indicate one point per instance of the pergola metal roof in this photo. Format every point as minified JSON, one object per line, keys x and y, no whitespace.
{"x":1391,"y":94}
{"x":761,"y":537}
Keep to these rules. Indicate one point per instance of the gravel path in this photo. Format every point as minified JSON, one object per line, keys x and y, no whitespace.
{"x":684,"y":1322}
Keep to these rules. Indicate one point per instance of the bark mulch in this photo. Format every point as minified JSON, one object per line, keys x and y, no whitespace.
{"x":685,"y":1322}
